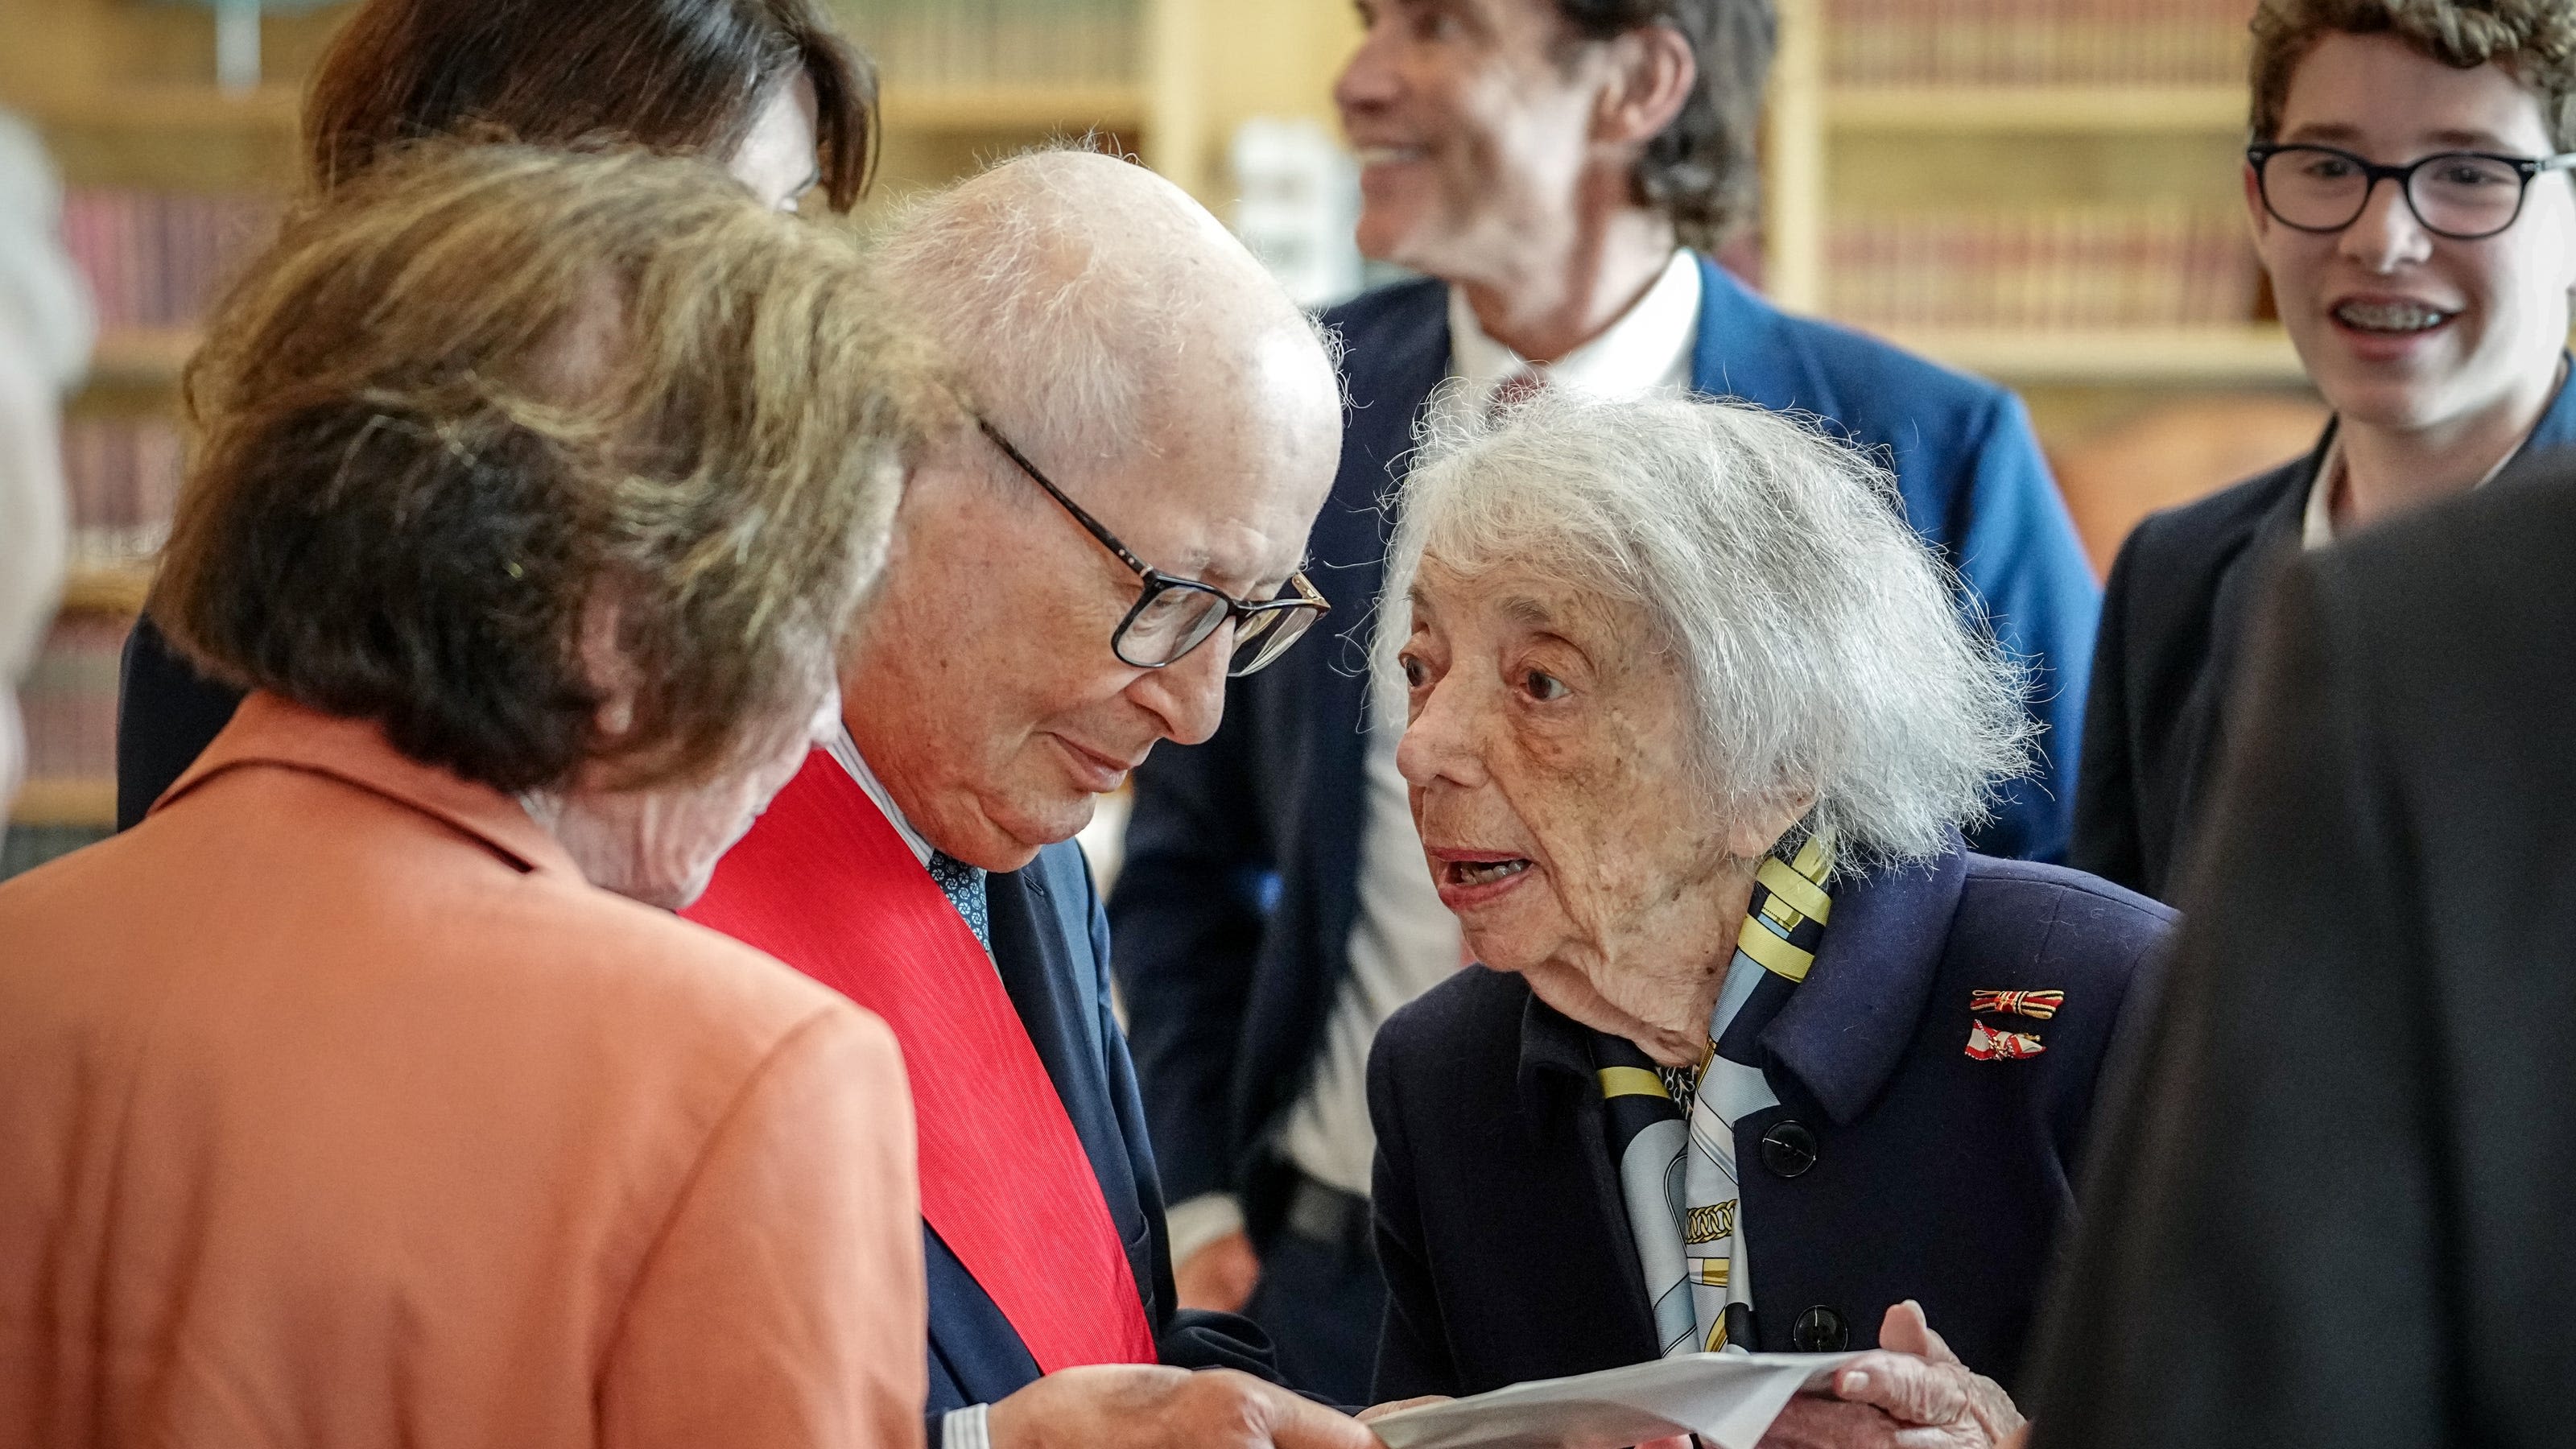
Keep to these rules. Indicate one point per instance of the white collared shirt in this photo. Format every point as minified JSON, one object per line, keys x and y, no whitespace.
{"x":2317,"y":525}
{"x":1650,"y":347}
{"x":845,"y":752}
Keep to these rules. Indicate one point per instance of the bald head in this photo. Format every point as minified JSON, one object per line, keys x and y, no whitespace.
{"x":1140,"y":359}
{"x":1085,"y":304}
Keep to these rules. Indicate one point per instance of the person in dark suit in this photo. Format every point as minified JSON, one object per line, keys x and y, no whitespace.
{"x":2432,"y":312}
{"x":1104,"y":385}
{"x":767,"y":86}
{"x":1560,"y":171}
{"x":2329,"y":1209}
{"x":1759,"y":1051}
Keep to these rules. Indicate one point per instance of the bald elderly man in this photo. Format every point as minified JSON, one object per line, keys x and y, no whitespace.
{"x":1109,"y":523}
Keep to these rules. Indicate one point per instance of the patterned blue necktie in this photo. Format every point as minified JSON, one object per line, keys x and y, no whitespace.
{"x":963,"y":884}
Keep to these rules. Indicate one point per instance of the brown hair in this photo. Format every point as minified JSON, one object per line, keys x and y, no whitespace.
{"x":411,"y":479}
{"x":1703,"y":170}
{"x":2534,"y":40}
{"x":672,"y":75}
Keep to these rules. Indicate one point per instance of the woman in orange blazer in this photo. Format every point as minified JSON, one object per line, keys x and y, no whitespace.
{"x":351,"y":1100}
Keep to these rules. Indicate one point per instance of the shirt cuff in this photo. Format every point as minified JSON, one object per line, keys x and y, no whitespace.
{"x":965,"y":1429}
{"x":1201,"y":1221}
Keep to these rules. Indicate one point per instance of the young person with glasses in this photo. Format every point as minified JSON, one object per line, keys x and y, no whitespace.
{"x":2410,"y":194}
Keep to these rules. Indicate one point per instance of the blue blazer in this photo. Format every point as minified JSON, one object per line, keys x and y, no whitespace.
{"x":1935,"y":1176}
{"x":1051,"y":944}
{"x":1234,"y":910}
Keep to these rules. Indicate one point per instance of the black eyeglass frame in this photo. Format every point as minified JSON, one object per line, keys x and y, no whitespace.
{"x":1158,"y":583}
{"x":2529,"y":168}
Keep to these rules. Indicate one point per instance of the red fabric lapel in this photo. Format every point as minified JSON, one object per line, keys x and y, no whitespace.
{"x":825,"y":884}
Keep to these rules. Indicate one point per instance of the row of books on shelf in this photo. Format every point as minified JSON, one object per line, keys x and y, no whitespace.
{"x":69,"y":700}
{"x":124,"y":481}
{"x":2037,"y":42}
{"x":966,"y":43}
{"x":2059,"y":269}
{"x":159,"y":259}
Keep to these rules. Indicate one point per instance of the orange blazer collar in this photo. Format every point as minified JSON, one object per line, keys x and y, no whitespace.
{"x":270,"y":729}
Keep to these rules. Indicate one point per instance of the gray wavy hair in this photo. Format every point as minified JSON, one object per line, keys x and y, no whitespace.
{"x":1826,"y":649}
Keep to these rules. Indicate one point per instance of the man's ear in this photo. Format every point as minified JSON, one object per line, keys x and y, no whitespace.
{"x":605,"y":666}
{"x":1654,"y":70}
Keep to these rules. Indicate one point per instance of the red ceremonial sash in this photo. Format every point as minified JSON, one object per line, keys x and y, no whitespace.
{"x":825,"y":884}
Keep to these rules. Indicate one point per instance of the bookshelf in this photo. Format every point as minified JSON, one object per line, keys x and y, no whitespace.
{"x":1845,"y":152}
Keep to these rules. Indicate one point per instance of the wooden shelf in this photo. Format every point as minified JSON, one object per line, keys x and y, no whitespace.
{"x":142,"y":358}
{"x":2036,"y":109}
{"x":119,"y":590}
{"x":172,"y":107}
{"x":2249,"y":354}
{"x":1014,"y":108}
{"x":89,"y":804}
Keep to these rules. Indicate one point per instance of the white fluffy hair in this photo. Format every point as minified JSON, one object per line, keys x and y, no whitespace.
{"x":1065,"y":292}
{"x":1825,"y":648}
{"x":45,"y":333}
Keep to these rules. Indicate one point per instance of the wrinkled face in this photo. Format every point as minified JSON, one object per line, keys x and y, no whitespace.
{"x":2401,"y":328}
{"x":981,"y":685}
{"x":1548,"y":753}
{"x":660,"y":845}
{"x":1471,"y":136}
{"x":777,"y":159}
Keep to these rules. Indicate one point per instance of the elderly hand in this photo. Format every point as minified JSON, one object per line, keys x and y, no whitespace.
{"x":1145,"y":1406}
{"x":1911,"y":1392}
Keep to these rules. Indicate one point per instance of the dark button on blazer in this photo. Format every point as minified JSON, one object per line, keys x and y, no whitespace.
{"x":1935,"y":1176}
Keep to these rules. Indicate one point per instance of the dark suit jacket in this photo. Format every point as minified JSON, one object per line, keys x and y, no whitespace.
{"x":1235,"y":907}
{"x":2333,"y":1208}
{"x":1937,"y":1177}
{"x":1050,"y":941}
{"x":2174,"y":624}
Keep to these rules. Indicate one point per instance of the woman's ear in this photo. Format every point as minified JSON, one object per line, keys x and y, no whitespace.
{"x":1761,"y":825}
{"x":605,"y":665}
{"x":1655,"y":70}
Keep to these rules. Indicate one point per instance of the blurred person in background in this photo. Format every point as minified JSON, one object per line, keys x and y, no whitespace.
{"x":768,"y":87}
{"x":2410,"y":195}
{"x":1113,"y":522}
{"x":45,"y":331}
{"x":1561,"y":171}
{"x":2331,"y":1210}
{"x":367,"y":1092}
{"x":1760,"y":1056}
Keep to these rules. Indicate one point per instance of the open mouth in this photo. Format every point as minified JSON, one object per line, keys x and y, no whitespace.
{"x":2391,"y":319}
{"x":1468,"y":874}
{"x":1388,"y":155}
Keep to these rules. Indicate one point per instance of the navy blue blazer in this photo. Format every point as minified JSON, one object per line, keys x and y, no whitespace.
{"x":1233,"y":913}
{"x":1051,"y":944}
{"x":1936,"y":1176}
{"x":2181,"y":607}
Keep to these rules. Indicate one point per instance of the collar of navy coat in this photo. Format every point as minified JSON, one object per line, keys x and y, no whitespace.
{"x":1845,"y":1030}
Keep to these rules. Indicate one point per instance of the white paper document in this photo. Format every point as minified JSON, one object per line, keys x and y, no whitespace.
{"x":1727,"y":1399}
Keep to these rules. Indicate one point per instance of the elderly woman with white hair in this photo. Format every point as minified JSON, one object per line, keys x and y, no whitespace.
{"x":1759,"y":1056}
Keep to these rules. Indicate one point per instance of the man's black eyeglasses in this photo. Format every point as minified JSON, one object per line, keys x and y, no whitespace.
{"x":1175,"y":615}
{"x":2463,"y":195}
